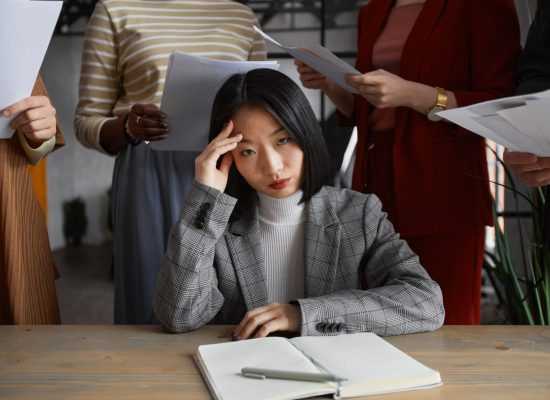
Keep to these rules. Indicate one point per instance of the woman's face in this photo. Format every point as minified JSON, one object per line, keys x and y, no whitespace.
{"x":267,"y":157}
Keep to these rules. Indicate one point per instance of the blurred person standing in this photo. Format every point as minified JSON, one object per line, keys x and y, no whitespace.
{"x":417,"y":57}
{"x":27,"y":270}
{"x":126,"y":51}
{"x":534,"y":76}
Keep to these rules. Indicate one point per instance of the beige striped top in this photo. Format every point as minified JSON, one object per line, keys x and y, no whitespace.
{"x":128,"y":42}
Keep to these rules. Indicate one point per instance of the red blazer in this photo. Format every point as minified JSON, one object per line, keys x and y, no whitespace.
{"x":469,"y":47}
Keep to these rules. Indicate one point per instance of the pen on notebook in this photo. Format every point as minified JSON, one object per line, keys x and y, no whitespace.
{"x":262,"y":373}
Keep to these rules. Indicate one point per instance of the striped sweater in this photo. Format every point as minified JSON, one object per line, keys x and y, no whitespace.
{"x":128,"y":42}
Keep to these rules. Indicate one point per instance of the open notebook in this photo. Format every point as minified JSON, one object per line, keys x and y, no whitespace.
{"x":369,"y":363}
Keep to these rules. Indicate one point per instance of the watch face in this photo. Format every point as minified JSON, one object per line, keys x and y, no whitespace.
{"x":432,"y":114}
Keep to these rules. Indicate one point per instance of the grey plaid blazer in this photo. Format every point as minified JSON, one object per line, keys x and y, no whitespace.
{"x":214,"y":270}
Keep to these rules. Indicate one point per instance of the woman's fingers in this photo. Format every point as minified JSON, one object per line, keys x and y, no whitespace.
{"x":206,"y":164}
{"x":220,"y":148}
{"x":33,"y":114}
{"x":148,"y":122}
{"x":225,"y":164}
{"x":32,"y":127}
{"x":273,"y":317}
{"x":252,"y":320}
{"x":25,"y":104}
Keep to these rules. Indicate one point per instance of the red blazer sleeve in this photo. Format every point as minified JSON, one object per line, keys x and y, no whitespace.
{"x":493,"y":27}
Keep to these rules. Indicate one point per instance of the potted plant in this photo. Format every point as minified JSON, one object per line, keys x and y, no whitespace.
{"x":75,"y":221}
{"x":525,"y":287}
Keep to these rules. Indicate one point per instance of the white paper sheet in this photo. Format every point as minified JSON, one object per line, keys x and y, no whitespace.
{"x":520,"y":123}
{"x":538,"y":111}
{"x":26,"y":28}
{"x":189,"y":91}
{"x":320,"y":59}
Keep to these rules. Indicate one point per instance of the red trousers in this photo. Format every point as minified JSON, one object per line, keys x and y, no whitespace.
{"x":453,"y":259}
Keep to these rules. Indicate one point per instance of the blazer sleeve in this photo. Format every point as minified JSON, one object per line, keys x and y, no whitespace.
{"x":187,"y":295}
{"x":400,"y":297}
{"x":494,"y":51}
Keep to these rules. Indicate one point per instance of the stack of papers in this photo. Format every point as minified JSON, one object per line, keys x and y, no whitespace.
{"x":320,"y":59}
{"x":519,"y":123}
{"x":191,"y":85}
{"x":25,"y":28}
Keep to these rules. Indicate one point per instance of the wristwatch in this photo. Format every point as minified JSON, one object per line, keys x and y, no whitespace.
{"x":440,"y":105}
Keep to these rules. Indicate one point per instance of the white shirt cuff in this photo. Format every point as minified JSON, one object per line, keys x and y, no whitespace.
{"x":35,"y":155}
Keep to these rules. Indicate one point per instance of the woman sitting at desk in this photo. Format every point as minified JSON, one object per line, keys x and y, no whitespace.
{"x":278,"y":251}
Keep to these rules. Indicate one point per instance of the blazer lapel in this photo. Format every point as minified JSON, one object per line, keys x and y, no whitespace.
{"x":417,"y":42}
{"x":247,"y":255}
{"x":373,"y":22}
{"x":322,"y":245}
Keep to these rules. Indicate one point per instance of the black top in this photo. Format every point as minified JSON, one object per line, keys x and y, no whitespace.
{"x":534,"y":63}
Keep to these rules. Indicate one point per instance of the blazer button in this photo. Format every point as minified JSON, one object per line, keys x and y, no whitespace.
{"x":205,"y":208}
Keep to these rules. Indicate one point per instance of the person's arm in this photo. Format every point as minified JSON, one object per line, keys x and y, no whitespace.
{"x":494,"y":52}
{"x":95,"y":125}
{"x":492,"y":67}
{"x":36,"y":125}
{"x":400,"y":298}
{"x":383,"y":89}
{"x":99,"y":82}
{"x":187,"y":295}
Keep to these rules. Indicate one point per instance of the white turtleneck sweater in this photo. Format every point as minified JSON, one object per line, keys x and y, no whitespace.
{"x":282,"y":232}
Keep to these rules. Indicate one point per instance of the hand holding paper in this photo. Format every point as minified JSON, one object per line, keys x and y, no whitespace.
{"x":532,"y":170}
{"x":519,"y":123}
{"x":29,"y":26}
{"x":320,"y":59}
{"x":35,"y":117}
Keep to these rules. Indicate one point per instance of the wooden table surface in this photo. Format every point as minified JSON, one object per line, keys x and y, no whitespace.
{"x":143,"y":362}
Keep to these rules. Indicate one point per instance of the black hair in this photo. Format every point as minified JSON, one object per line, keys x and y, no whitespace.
{"x":283,"y":99}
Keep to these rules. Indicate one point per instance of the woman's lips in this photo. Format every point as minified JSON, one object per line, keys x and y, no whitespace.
{"x":280,"y":184}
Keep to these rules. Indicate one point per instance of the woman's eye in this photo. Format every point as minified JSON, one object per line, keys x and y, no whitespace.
{"x":283,"y":140}
{"x":247,"y":152}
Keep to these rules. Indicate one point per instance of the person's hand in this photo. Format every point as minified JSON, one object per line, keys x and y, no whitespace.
{"x":147,"y":122}
{"x":262,"y":321}
{"x":206,"y":171}
{"x":34,"y":117}
{"x":381,"y":88}
{"x":310,"y":78}
{"x":532,"y":170}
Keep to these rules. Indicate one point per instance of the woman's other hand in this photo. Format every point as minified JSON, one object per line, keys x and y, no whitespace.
{"x":382,"y":89}
{"x":532,"y":170}
{"x":274,"y":317}
{"x":310,"y":78}
{"x":34,"y":117}
{"x":206,"y":170}
{"x":146,"y":122}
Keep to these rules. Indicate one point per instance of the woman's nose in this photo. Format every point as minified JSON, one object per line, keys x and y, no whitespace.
{"x":272,"y":162}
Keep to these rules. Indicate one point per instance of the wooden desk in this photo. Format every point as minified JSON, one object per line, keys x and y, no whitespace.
{"x":143,"y":362}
